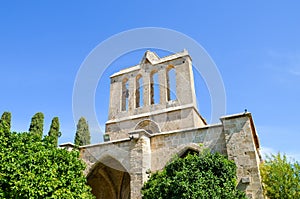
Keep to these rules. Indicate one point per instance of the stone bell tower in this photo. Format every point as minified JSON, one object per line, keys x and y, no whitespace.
{"x":153,"y":117}
{"x":157,"y":95}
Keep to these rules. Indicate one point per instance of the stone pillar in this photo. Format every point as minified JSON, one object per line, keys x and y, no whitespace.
{"x":185,"y":88}
{"x":162,"y":86}
{"x":140,"y":161}
{"x":242,"y":147}
{"x":115,"y":98}
{"x":131,"y":90}
{"x":147,"y":97}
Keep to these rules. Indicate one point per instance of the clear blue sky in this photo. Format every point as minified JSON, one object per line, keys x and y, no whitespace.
{"x":255,"y":45}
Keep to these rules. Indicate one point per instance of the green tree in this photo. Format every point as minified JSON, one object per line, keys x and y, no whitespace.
{"x":37,"y":124}
{"x":54,"y":132}
{"x":82,"y":136}
{"x":5,"y":123}
{"x":34,"y":168}
{"x":196,"y":176}
{"x":280,"y":177}
{"x":6,"y":118}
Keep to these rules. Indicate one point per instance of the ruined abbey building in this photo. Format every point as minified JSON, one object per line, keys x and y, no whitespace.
{"x":153,"y":117}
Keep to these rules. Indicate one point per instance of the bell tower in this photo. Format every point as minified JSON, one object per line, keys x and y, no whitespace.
{"x":157,"y":95}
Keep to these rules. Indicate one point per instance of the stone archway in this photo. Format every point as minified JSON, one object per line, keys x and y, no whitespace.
{"x":148,"y":125}
{"x":109,"y":179}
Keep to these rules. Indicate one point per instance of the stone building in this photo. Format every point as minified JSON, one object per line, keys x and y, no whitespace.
{"x":153,"y":117}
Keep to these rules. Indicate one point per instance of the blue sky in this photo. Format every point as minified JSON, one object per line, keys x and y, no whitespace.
{"x":255,"y":45}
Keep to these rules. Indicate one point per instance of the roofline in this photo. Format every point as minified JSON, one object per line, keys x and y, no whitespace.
{"x":153,"y":62}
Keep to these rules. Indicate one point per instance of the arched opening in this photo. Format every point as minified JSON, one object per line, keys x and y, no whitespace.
{"x":109,"y":179}
{"x":192,"y":149}
{"x":187,"y":152}
{"x":139,"y":92}
{"x":154,"y":88}
{"x":148,"y":125}
{"x":171,"y":83}
{"x":125,"y":94}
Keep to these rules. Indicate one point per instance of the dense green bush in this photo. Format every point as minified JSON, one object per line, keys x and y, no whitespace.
{"x":197,"y":176}
{"x":34,"y":168}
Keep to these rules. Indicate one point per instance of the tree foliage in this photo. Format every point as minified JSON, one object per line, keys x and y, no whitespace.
{"x":54,"y":132}
{"x":5,"y":120}
{"x":31,"y":167}
{"x":37,"y":124}
{"x":82,"y":136}
{"x":196,"y":176}
{"x":280,"y":178}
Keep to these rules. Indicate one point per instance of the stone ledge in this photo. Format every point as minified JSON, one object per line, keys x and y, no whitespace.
{"x":226,"y":117}
{"x":104,"y":143}
{"x":170,"y":109}
{"x":136,"y":134}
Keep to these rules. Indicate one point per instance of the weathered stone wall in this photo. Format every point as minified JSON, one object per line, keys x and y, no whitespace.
{"x":243,"y":147}
{"x":120,"y":151}
{"x":165,"y":146}
{"x":173,"y":118}
{"x":234,"y":137}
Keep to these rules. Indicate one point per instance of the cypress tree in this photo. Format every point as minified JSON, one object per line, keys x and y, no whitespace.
{"x":82,"y":136}
{"x":37,"y":124}
{"x":5,"y":121}
{"x":54,"y":132}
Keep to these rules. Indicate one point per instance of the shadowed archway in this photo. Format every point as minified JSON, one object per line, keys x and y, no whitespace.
{"x":148,"y":125}
{"x":109,"y":179}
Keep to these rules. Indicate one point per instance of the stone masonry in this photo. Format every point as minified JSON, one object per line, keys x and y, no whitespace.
{"x":146,"y":128}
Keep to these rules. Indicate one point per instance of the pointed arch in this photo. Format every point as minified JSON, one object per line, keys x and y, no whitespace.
{"x":109,"y":179}
{"x":189,"y":149}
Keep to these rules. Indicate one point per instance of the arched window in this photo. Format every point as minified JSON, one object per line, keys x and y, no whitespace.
{"x":139,"y":92}
{"x":125,"y":95}
{"x":171,"y":84}
{"x":154,"y":88}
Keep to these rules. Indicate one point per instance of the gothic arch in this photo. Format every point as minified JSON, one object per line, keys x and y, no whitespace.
{"x":148,"y":125}
{"x":190,"y":148}
{"x":184,"y":150}
{"x":109,"y":179}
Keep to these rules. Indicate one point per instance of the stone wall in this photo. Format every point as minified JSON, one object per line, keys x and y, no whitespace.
{"x":166,"y":145}
{"x":234,"y":137}
{"x":243,"y":147}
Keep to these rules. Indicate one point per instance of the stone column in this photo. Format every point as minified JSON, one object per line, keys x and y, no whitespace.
{"x":140,"y":161}
{"x":162,"y":76}
{"x":147,"y":97}
{"x":131,"y":90}
{"x":242,"y":147}
{"x":115,"y":98}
